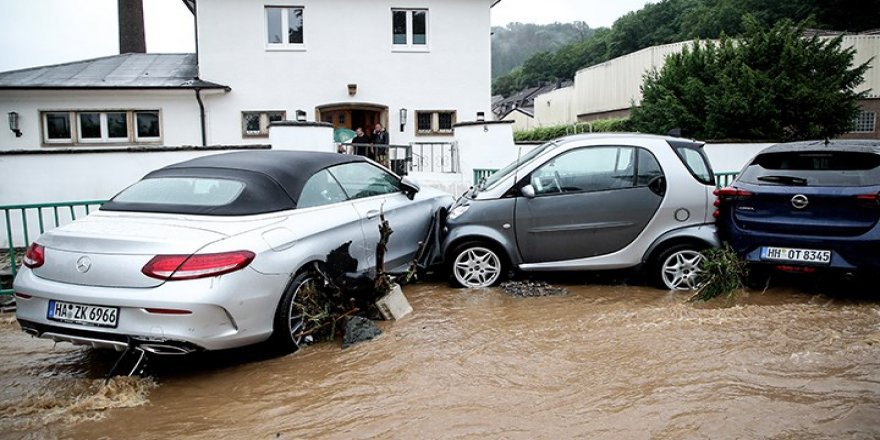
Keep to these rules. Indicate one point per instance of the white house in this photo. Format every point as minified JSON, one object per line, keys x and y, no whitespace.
{"x":418,"y":67}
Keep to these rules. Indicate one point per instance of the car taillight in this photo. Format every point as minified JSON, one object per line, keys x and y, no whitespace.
{"x":35,"y":256}
{"x":728,"y":194}
{"x":188,"y":267}
{"x":869,"y":199}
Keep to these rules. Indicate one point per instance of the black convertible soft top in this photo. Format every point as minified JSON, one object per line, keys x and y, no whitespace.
{"x":273,"y":180}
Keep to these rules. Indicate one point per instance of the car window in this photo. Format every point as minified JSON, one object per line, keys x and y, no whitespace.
{"x":648,"y":168}
{"x":522,"y":160}
{"x":320,"y":189}
{"x":814,"y":168}
{"x":362,"y":179}
{"x":193,"y":191}
{"x":586,"y":169}
{"x":693,"y":157}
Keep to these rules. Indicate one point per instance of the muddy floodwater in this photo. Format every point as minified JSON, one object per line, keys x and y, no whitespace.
{"x":601,"y":362}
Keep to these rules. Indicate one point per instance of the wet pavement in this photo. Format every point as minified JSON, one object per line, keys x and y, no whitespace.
{"x":601,"y":362}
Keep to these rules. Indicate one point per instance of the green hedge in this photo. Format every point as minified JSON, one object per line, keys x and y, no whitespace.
{"x":548,"y":133}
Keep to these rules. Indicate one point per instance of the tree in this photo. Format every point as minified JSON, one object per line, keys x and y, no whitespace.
{"x":770,"y":84}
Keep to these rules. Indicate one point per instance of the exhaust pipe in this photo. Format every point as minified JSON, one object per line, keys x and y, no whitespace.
{"x":164,"y":349}
{"x":849,"y":276}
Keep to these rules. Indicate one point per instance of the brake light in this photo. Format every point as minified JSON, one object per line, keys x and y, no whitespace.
{"x":35,"y":256}
{"x":872,"y":199}
{"x":731,"y":193}
{"x":728,"y":194}
{"x":188,"y":267}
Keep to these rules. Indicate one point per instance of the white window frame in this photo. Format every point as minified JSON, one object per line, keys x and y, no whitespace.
{"x":435,"y":122}
{"x":105,"y":129}
{"x":76,"y":138}
{"x":45,"y":122}
{"x":410,"y":46}
{"x":264,"y":122}
{"x":285,"y":17}
{"x":865,"y":122}
{"x":134,"y":127}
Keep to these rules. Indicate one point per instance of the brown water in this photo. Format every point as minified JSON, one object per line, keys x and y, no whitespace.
{"x":601,"y":362}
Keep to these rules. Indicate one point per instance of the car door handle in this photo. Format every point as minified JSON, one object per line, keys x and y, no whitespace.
{"x":373,"y":213}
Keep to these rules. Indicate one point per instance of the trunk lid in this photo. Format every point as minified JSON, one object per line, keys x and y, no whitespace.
{"x":110,"y":249}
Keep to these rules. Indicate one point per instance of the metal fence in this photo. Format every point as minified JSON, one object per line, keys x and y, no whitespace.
{"x":435,"y":157}
{"x":725,"y":178}
{"x":25,"y":222}
{"x":397,"y":158}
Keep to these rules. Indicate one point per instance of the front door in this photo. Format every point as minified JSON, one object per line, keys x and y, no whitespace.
{"x":589,"y":201}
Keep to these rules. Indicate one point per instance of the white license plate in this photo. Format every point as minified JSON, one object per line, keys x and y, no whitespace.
{"x":97,"y":316}
{"x":796,"y":255}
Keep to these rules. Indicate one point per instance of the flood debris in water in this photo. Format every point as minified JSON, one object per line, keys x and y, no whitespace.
{"x":359,"y":329}
{"x":531,"y":288}
{"x":346,"y":295}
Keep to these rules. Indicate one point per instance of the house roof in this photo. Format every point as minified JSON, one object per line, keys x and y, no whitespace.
{"x":126,"y":71}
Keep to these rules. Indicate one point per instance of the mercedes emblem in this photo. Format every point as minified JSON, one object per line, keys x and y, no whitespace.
{"x":800,"y":201}
{"x":83,"y":264}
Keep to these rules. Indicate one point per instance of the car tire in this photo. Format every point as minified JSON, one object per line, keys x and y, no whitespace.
{"x":678,"y":267}
{"x":476,"y":264}
{"x":290,"y":327}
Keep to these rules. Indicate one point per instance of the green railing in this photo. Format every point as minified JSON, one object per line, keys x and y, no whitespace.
{"x":24,"y":222}
{"x":725,"y":178}
{"x":481,"y":173}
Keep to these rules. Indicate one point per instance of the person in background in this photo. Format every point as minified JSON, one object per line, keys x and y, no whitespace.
{"x":380,"y":137}
{"x":360,"y":142}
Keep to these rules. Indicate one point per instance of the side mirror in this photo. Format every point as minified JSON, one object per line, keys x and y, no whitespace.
{"x":410,"y":187}
{"x":528,"y":191}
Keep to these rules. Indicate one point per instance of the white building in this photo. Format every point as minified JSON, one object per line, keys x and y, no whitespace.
{"x":417,"y":67}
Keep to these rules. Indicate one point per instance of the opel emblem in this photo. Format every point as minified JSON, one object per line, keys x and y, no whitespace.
{"x":83,"y":264}
{"x":800,"y":201}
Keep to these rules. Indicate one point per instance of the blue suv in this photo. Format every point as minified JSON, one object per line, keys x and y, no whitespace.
{"x":806,"y":206}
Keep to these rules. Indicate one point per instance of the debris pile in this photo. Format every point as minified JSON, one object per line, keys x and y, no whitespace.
{"x":531,"y":288}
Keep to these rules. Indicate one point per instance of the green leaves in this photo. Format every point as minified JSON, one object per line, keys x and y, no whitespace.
{"x":769,"y":85}
{"x":542,"y":134}
{"x":723,"y":272}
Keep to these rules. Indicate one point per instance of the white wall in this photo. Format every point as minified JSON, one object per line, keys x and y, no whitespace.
{"x":485,"y":146}
{"x":521,"y":121}
{"x":556,"y":107}
{"x":179,"y":113}
{"x":347,"y":42}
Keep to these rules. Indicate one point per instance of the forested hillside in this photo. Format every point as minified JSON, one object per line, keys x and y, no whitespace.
{"x":670,"y":21}
{"x":516,"y":42}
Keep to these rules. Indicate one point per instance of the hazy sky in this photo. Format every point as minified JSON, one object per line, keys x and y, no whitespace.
{"x":41,"y":32}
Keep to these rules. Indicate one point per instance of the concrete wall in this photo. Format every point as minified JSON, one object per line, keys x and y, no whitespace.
{"x":521,"y":121}
{"x":556,"y":107}
{"x":345,"y":42}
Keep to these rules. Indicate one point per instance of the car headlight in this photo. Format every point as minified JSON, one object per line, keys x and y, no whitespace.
{"x":457,"y":212}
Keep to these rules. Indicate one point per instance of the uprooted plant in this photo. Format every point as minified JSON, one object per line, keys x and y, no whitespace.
{"x":724,"y":273}
{"x":339,"y":291}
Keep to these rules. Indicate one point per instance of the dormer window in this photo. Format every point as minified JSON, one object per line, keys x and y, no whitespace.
{"x":284,"y":27}
{"x":409,"y":29}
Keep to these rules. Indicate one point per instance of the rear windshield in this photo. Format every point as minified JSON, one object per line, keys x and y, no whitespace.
{"x":693,"y":157}
{"x":191,"y":191}
{"x":814,"y":168}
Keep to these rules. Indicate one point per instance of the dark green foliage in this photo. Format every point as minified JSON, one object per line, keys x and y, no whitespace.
{"x":770,"y":84}
{"x":724,"y":273}
{"x":542,"y":134}
{"x":670,"y":21}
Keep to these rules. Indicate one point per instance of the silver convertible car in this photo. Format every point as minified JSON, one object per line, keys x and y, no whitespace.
{"x":210,"y":253}
{"x":588,"y":202}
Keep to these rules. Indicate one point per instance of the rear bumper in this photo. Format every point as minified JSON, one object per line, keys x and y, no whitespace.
{"x":225,"y":312}
{"x":858,"y":253}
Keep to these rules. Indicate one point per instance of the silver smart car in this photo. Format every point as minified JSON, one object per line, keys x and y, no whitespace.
{"x":211,"y":253}
{"x":588,"y":202}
